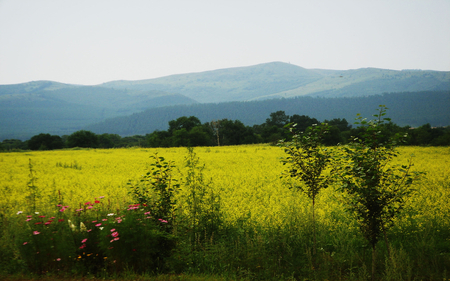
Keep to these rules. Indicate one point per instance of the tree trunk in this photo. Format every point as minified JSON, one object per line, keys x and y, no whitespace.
{"x":374,"y":261}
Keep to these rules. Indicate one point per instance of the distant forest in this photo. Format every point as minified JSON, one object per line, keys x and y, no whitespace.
{"x":406,"y":109}
{"x":190,"y":131}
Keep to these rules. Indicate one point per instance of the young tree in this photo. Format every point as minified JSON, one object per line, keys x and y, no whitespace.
{"x":374,"y":190}
{"x":308,"y":161}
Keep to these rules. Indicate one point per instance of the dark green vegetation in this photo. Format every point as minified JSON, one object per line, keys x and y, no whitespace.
{"x":43,"y":106}
{"x":189,"y":131}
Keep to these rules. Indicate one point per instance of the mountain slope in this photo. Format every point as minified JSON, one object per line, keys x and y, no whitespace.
{"x":414,"y":109}
{"x":48,"y":107}
{"x":232,"y":84}
{"x":278,"y":80}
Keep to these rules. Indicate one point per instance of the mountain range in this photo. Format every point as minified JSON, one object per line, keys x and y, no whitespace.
{"x":31,"y":108}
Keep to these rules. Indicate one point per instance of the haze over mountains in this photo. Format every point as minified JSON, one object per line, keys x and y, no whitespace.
{"x":37,"y":107}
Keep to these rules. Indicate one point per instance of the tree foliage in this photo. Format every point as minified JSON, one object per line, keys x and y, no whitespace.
{"x":374,"y":189}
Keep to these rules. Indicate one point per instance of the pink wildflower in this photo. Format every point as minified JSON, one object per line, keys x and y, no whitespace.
{"x":84,"y":240}
{"x":58,"y":259}
{"x":36,"y":232}
{"x":90,"y":207}
{"x":83,"y":246}
{"x":24,"y":243}
{"x":115,"y":234}
{"x":101,"y":197}
{"x":104,"y":219}
{"x":117,"y":238}
{"x":98,"y":224}
{"x":112,"y":230}
{"x":29,"y":219}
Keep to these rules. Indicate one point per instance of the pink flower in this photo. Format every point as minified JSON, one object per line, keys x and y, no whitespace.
{"x":163,"y":221}
{"x":42,"y":216}
{"x":36,"y":232}
{"x":79,"y":210}
{"x":29,"y":219}
{"x":101,"y":197}
{"x":37,"y":222}
{"x":83,"y":246}
{"x":84,"y":240}
{"x":98,"y":224}
{"x":147,"y":213}
{"x":94,"y":221}
{"x":90,"y":207}
{"x":96,"y":201}
{"x":87,"y":203}
{"x":60,"y":220}
{"x":112,"y":230}
{"x":24,"y":243}
{"x":115,"y":239}
{"x":115,"y":234}
{"x":47,"y":223}
{"x":104,"y":219}
{"x":89,"y":230}
{"x":58,"y":259}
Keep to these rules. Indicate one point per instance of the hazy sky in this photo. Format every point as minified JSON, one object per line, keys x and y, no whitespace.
{"x":95,"y":41}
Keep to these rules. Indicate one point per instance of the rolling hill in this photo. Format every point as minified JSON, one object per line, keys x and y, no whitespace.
{"x":37,"y":107}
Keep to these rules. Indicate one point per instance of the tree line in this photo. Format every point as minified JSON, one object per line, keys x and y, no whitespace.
{"x":189,"y":131}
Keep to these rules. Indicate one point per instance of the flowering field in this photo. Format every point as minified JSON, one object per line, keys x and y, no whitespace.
{"x":72,"y":191}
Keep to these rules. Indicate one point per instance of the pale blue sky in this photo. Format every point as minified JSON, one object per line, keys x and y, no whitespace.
{"x":95,"y":41}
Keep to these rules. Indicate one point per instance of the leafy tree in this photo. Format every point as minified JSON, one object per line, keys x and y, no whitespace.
{"x":11,"y":144}
{"x":45,"y":142}
{"x":278,"y":119}
{"x":308,"y":161}
{"x":374,"y":190}
{"x":303,"y":121}
{"x":109,"y":140}
{"x":159,"y":139}
{"x":83,"y":139}
{"x":184,"y":122}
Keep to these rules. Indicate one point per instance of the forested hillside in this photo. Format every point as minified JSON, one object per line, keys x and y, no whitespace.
{"x":413,"y":109}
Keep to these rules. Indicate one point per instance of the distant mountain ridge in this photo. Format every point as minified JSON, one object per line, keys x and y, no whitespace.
{"x":283,"y":80}
{"x":31,"y":108}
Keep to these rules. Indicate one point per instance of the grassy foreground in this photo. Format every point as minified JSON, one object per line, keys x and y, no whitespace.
{"x":69,"y":214}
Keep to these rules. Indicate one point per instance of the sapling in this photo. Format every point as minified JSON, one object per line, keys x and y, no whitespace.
{"x":308,"y":161}
{"x":374,"y":190}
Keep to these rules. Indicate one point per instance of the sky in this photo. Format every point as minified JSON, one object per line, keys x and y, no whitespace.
{"x":90,"y":42}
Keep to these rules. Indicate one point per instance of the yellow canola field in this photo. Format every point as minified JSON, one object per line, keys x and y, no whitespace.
{"x":247,"y":178}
